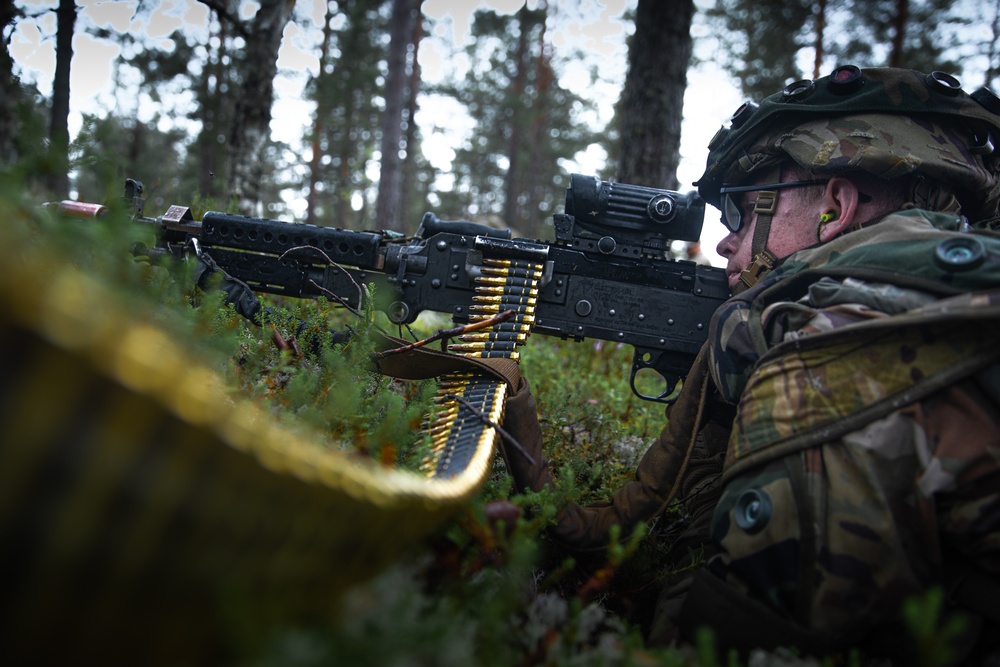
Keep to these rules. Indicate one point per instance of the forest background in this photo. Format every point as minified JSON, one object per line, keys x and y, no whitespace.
{"x":390,"y":112}
{"x":488,"y":111}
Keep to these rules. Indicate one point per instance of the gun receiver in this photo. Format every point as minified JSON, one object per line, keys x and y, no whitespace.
{"x":608,"y":274}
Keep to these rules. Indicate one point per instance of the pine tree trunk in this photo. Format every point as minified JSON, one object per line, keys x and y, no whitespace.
{"x":899,"y":33}
{"x":530,"y":222}
{"x":251,"y":125}
{"x":653,"y":98}
{"x":212,"y":81}
{"x":319,"y":121}
{"x":514,"y":138}
{"x":409,"y":184}
{"x":390,"y":176}
{"x":59,"y":122}
{"x":9,"y":92}
{"x":342,"y":190}
{"x":820,"y":29}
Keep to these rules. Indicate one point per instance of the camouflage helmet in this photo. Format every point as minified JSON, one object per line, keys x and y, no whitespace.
{"x":887,"y":122}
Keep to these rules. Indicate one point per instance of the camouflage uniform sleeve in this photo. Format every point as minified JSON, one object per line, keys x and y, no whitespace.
{"x":677,"y":454}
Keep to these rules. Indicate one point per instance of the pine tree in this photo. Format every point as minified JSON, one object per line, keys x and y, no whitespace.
{"x":651,"y":106}
{"x":346,"y":92}
{"x":418,"y":174}
{"x":110,"y":148}
{"x":251,"y":123}
{"x":405,"y":13}
{"x":764,"y":41}
{"x":895,"y":33}
{"x":59,"y":125}
{"x":760,"y":41}
{"x":10,"y":92}
{"x":509,"y":171}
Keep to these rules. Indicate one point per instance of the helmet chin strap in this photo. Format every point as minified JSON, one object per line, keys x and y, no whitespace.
{"x":763,"y":259}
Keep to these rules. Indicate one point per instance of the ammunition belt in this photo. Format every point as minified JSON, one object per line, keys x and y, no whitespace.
{"x":469,"y":401}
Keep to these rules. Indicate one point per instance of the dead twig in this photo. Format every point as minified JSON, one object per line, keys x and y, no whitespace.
{"x":333,"y":297}
{"x":507,"y":437}
{"x":338,"y":299}
{"x":289,"y":345}
{"x":449,"y":333}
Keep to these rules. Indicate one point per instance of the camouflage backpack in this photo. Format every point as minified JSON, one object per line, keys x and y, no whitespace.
{"x":864,"y":461}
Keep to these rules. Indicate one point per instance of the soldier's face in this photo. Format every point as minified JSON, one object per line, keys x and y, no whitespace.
{"x":793,"y":228}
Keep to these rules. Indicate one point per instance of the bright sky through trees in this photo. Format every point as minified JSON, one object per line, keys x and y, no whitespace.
{"x":593,"y":26}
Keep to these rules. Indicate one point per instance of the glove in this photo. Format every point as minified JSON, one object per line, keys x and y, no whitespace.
{"x":238,"y":293}
{"x":522,"y":443}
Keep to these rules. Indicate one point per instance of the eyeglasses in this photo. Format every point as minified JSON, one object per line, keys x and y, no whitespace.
{"x":732,"y":212}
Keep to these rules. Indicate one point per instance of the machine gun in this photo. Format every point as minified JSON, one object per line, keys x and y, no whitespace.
{"x":607,"y":276}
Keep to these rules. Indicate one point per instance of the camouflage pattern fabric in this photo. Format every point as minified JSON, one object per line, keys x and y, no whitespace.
{"x":894,"y":257}
{"x":869,"y":518}
{"x":896,"y":123}
{"x":864,"y":462}
{"x":806,"y":394}
{"x":861,"y":514}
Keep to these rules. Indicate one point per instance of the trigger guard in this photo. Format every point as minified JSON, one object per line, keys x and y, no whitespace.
{"x":672,"y":381}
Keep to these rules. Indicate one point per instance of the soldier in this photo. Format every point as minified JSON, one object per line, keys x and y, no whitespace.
{"x":836,"y":445}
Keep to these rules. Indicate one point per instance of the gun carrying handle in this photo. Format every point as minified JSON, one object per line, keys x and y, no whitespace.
{"x":431,"y":225}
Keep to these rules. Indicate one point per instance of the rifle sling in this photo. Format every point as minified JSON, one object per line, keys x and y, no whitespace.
{"x":421,"y":363}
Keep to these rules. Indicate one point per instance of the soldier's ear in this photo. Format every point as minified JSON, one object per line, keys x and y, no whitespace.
{"x":840,"y":208}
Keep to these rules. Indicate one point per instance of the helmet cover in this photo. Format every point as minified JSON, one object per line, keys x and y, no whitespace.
{"x":887,"y":122}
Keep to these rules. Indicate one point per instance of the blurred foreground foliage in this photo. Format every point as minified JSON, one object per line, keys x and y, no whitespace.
{"x":481,"y":593}
{"x":492,"y":589}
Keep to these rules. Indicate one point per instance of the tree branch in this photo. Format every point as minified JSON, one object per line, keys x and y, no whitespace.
{"x":450,"y":333}
{"x":220,"y":9}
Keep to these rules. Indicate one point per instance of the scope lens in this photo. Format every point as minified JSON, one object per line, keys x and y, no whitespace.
{"x":943,"y":83}
{"x":660,"y":208}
